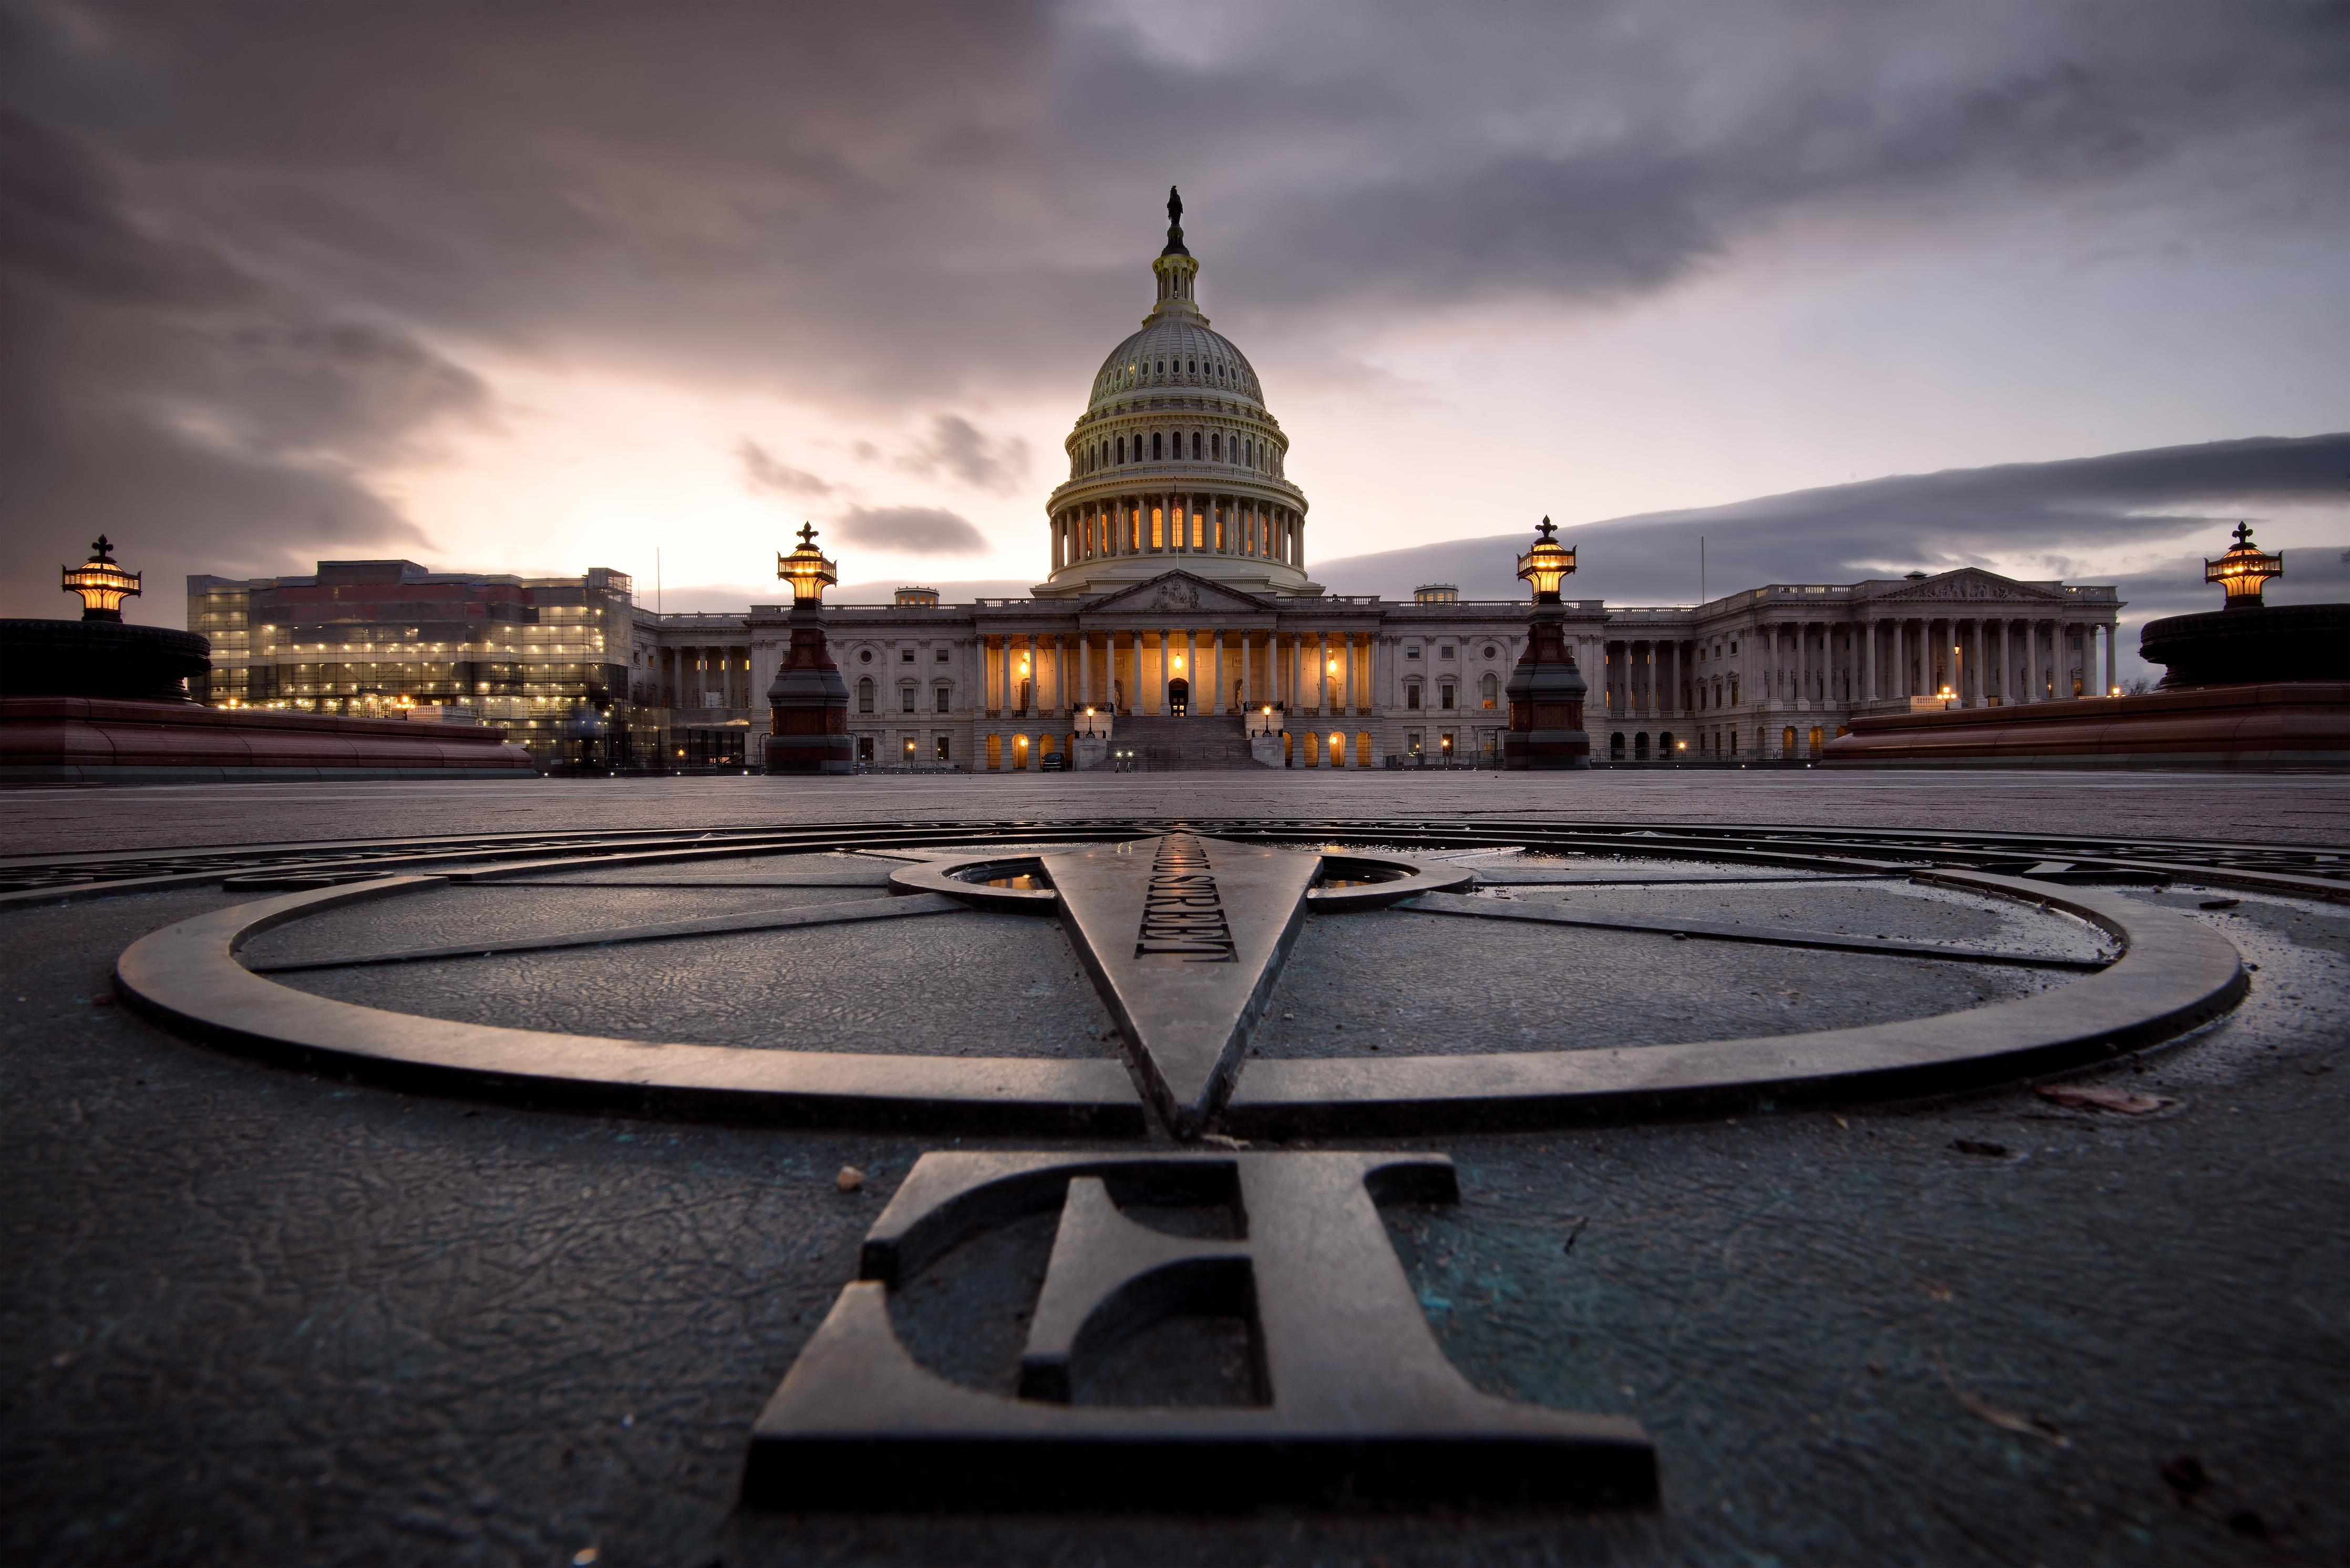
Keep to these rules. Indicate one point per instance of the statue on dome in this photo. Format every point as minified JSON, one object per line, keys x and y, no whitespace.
{"x":1175,"y":247}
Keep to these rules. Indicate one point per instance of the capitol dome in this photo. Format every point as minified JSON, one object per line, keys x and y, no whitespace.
{"x":1176,"y":461}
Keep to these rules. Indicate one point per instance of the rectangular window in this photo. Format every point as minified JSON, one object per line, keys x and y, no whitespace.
{"x":1444,"y":652}
{"x":905,"y":699}
{"x":946,"y":699}
{"x":943,"y":749}
{"x":905,"y":655}
{"x":1198,"y":522}
{"x":1411,"y":653}
{"x":942,"y":656}
{"x":1158,"y":529}
{"x":1412,"y":697}
{"x":1445,"y":693}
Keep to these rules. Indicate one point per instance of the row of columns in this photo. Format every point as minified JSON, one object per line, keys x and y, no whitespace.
{"x":683,"y":672}
{"x":1835,"y":664}
{"x":1179,"y":524}
{"x":1323,"y":672}
{"x":2019,"y":661}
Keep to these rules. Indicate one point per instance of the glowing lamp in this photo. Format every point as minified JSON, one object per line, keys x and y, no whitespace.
{"x":1547,"y":565}
{"x":102,"y":585}
{"x":806,"y":569}
{"x":2242,"y":572}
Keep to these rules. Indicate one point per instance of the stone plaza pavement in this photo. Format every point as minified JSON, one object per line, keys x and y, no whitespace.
{"x":257,"y":1316}
{"x":2268,"y":807}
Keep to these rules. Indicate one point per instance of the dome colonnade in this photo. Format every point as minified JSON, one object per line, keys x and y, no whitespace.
{"x":1176,"y":459}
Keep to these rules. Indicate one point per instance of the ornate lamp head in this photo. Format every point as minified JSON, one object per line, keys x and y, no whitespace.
{"x":102,"y":585}
{"x":2245,"y":570}
{"x":1547,"y":565}
{"x":806,"y":569}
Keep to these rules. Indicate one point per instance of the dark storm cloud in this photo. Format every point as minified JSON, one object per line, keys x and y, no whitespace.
{"x":2181,"y":497}
{"x":153,"y":390}
{"x":886,"y":199}
{"x":764,"y":470}
{"x":922,"y":205}
{"x":911,"y":530}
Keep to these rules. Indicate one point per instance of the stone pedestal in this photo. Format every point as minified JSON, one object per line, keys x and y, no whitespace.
{"x":2285,"y":724}
{"x":809,"y":702}
{"x":2249,"y":644}
{"x":1546,"y":693}
{"x":1267,"y":749}
{"x":1089,"y":752}
{"x":96,"y":740}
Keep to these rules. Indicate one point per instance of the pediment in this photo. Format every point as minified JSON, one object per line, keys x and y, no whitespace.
{"x":1973,"y":583}
{"x":1176,"y":591}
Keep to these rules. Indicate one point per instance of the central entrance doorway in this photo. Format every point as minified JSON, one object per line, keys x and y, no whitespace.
{"x":1179,"y":698}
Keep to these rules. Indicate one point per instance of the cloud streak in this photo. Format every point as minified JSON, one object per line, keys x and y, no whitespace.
{"x":911,"y":530}
{"x":2179,"y":500}
{"x":764,"y":470}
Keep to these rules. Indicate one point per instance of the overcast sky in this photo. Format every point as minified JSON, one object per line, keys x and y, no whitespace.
{"x":534,"y":287}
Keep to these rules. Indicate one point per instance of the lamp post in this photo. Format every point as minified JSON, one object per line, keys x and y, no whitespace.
{"x":2242,"y":573}
{"x":808,"y":700}
{"x":1546,"y":692}
{"x":102,"y":584}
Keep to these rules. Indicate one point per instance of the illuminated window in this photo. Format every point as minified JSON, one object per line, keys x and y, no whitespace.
{"x":1490,"y":689}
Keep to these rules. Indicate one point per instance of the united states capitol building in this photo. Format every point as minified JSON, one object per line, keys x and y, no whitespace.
{"x":1180,"y":618}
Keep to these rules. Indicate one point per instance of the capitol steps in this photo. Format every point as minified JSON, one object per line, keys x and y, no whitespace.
{"x":1161,"y":744}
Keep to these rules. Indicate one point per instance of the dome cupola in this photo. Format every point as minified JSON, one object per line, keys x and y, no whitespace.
{"x":1176,"y":460}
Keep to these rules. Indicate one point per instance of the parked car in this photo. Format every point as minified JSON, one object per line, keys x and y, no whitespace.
{"x":1053,"y":763}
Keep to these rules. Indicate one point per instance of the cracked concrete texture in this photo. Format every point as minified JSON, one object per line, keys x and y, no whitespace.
{"x":261,"y":1318}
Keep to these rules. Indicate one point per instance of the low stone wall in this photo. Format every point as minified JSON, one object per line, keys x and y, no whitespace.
{"x":2298,"y":724}
{"x":96,"y":740}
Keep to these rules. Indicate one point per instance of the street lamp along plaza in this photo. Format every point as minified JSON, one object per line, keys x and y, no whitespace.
{"x":808,"y":701}
{"x":1546,"y":690}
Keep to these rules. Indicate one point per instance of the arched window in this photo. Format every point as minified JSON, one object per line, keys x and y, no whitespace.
{"x":1194,"y":368}
{"x":865,"y":694}
{"x":1216,"y":446}
{"x":1158,"y":446}
{"x":1195,"y":446}
{"x":1491,"y":689}
{"x":1121,"y":448}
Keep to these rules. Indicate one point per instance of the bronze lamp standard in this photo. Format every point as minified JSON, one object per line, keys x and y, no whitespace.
{"x":809,"y":701}
{"x":1546,"y":690}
